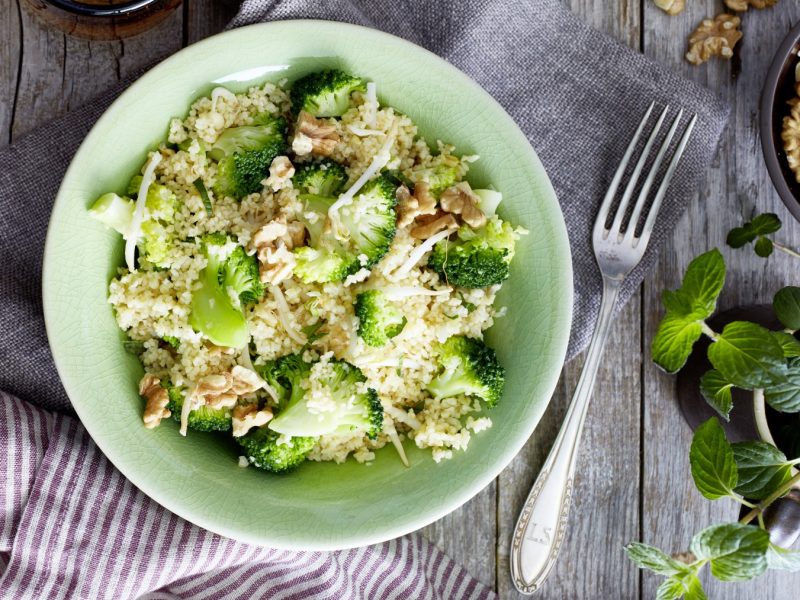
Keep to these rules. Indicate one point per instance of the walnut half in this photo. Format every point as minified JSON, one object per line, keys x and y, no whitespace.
{"x":715,"y":37}
{"x":157,"y":399}
{"x":280,"y":173}
{"x":410,"y":206}
{"x":247,"y":416}
{"x":313,"y":136}
{"x":743,"y":5}
{"x":671,"y":7}
{"x":273,"y":244}
{"x":461,"y":200}
{"x":429,"y":225}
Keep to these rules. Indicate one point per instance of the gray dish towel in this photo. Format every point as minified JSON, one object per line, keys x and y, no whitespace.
{"x":577,"y":94}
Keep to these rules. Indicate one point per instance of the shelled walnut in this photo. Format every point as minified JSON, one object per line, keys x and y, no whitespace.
{"x":743,"y":5}
{"x":671,"y":7}
{"x":790,"y":135}
{"x":314,"y":136}
{"x":157,"y":399}
{"x":715,"y":37}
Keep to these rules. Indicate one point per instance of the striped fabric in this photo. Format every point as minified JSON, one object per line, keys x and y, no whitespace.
{"x":71,"y":526}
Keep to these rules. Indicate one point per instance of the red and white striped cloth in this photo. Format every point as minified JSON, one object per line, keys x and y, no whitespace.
{"x":71,"y":526}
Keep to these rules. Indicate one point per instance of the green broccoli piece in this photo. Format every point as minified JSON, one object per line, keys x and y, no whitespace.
{"x":470,"y":367}
{"x":203,"y":418}
{"x":477,"y":258}
{"x":262,"y":450}
{"x":439,"y":177}
{"x":325,"y":264}
{"x":326,"y":93}
{"x":356,"y":408}
{"x":161,"y":202}
{"x":371,"y":220}
{"x":286,"y":375}
{"x":240,"y":272}
{"x":378,"y":319}
{"x":244,"y":154}
{"x":368,"y":226}
{"x":321,"y":178}
{"x":212,"y":312}
{"x":113,"y":211}
{"x":154,"y":243}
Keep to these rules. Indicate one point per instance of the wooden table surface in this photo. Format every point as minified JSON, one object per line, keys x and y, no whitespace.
{"x":633,"y":480}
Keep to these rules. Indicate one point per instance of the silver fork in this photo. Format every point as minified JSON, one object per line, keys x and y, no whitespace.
{"x":542,"y":522}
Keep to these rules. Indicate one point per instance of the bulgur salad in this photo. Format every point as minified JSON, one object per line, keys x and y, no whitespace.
{"x":304,"y":274}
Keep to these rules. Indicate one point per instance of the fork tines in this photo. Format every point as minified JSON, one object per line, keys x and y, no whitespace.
{"x":626,"y":229}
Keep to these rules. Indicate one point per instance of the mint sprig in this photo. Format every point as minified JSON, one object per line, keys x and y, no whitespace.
{"x":754,"y":473}
{"x":756,"y":231}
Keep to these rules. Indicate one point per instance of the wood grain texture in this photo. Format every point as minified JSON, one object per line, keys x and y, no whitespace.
{"x":634,"y":480}
{"x":737,"y":183}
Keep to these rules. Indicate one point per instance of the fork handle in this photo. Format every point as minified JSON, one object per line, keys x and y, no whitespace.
{"x":542,"y":522}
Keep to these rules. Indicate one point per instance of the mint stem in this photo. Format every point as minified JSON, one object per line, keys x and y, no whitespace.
{"x":786,"y":249}
{"x":769,"y":500}
{"x":708,"y":331}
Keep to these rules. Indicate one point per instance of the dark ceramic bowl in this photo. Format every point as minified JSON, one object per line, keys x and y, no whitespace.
{"x":779,"y":88}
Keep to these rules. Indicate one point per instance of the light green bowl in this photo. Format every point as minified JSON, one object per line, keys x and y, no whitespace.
{"x":319,"y":506}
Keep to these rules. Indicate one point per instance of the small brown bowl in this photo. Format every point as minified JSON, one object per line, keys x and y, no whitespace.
{"x":779,"y":88}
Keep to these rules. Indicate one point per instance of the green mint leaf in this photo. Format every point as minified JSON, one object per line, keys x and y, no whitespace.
{"x":739,"y":236}
{"x":687,"y":307}
{"x":789,"y":343}
{"x":783,"y":559}
{"x":703,"y":282}
{"x":674,"y":341}
{"x":670,"y":589}
{"x":763,"y":247}
{"x":762,"y":469}
{"x":694,"y":589}
{"x":760,"y":225}
{"x":717,"y":392}
{"x":313,"y":333}
{"x":712,"y":461}
{"x":649,"y":557}
{"x":784,"y":394}
{"x":679,"y":586}
{"x":765,"y":224}
{"x":736,"y":552}
{"x":747,"y":355}
{"x":786,"y":305}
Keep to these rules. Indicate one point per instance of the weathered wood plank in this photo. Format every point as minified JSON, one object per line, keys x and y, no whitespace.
{"x":10,"y":49}
{"x":207,"y":17}
{"x":737,"y":182}
{"x":605,"y":510}
{"x":60,"y":72}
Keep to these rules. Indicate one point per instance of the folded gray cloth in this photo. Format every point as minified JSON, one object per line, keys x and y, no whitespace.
{"x":577,"y":94}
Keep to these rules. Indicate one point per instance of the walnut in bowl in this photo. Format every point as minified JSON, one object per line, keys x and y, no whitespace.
{"x":780,"y":122}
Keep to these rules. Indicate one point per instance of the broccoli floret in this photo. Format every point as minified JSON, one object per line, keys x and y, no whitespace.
{"x":244,"y":154}
{"x":203,"y":418}
{"x":378,"y":319}
{"x":371,"y":220}
{"x":240,"y":272}
{"x":326,"y":93}
{"x":286,"y":375}
{"x":212,"y":312}
{"x":469,"y":367}
{"x":161,"y":202}
{"x":355,"y":407}
{"x":262,"y":450}
{"x":113,"y":211}
{"x":321,"y":178}
{"x":477,"y":258}
{"x":367,"y":225}
{"x":440,"y":176}
{"x":154,"y":242}
{"x":325,"y":264}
